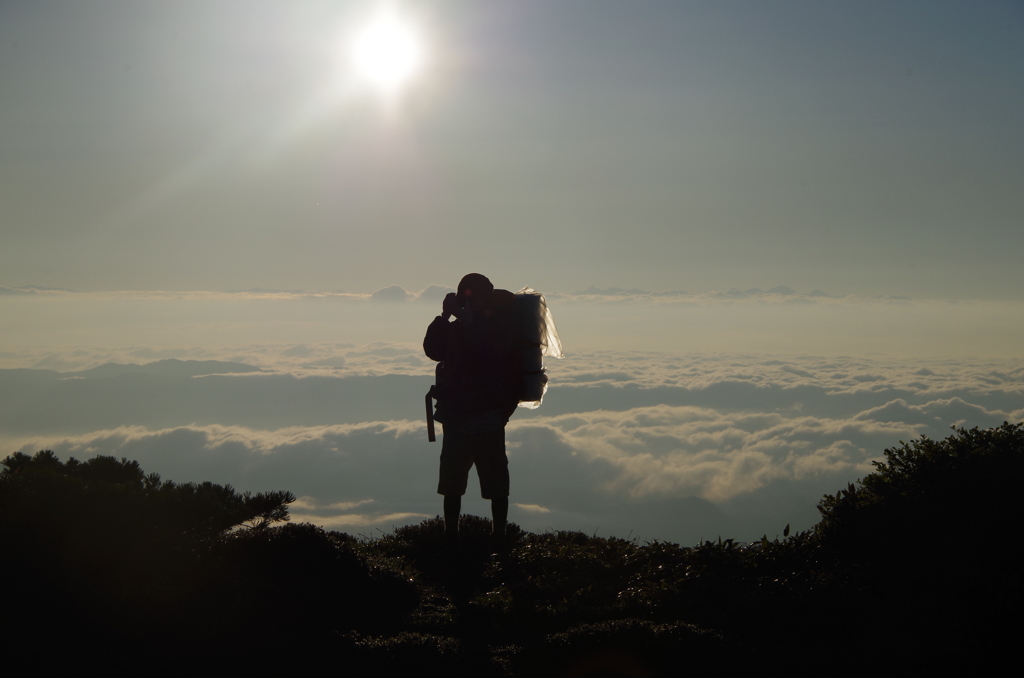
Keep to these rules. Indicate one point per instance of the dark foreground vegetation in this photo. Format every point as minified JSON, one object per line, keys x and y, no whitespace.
{"x":914,"y":568}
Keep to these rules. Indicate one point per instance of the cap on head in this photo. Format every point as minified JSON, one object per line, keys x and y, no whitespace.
{"x":475,"y":285}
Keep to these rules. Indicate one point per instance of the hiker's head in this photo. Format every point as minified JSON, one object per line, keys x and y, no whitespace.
{"x":474,"y":290}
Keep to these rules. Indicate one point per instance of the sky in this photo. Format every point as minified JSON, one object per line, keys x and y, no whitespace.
{"x":777,"y":237}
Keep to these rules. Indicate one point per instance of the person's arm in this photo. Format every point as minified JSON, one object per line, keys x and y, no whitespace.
{"x":435,"y":344}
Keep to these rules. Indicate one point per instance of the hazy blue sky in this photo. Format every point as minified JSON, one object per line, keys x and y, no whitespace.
{"x":158,"y":157}
{"x":857,"y":147}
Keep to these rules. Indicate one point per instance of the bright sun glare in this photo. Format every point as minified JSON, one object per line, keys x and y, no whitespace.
{"x":387,"y":52}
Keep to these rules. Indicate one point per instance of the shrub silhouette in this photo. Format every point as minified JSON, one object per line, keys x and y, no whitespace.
{"x":105,"y":552}
{"x":932,"y":532}
{"x":963,"y":486}
{"x":918,"y":556}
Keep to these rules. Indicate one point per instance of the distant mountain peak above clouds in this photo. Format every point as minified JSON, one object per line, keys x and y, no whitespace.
{"x":612,"y":291}
{"x":31,"y":289}
{"x":394,"y":293}
{"x":435,"y":293}
{"x":734,"y":293}
{"x":171,"y":367}
{"x":263,"y":290}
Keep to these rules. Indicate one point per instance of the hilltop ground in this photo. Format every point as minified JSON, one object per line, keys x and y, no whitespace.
{"x":912,"y":568}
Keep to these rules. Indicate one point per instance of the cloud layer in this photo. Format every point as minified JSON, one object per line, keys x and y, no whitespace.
{"x":656,"y":445}
{"x":674,"y":416}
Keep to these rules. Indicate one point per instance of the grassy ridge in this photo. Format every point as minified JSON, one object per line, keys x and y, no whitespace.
{"x":915,"y":563}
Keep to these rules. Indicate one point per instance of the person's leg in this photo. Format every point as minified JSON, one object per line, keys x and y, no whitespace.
{"x":452,"y":509}
{"x":499,"y":516}
{"x":492,"y":467}
{"x":456,"y":460}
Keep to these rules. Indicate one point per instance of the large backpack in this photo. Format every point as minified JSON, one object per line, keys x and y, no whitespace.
{"x":537,"y":338}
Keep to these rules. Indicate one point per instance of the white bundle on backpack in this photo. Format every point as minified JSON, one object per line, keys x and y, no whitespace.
{"x":538,"y":338}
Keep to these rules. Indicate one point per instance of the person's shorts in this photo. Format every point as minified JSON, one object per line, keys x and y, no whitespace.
{"x":460,"y":451}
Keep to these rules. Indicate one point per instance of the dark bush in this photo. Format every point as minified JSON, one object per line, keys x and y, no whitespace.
{"x":918,"y":557}
{"x":931,"y":535}
{"x":927,"y":494}
{"x":103,"y":551}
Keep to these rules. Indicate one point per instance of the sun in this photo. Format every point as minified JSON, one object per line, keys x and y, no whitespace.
{"x":387,"y":53}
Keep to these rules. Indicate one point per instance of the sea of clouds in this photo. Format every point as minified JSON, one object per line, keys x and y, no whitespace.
{"x":633,"y":439}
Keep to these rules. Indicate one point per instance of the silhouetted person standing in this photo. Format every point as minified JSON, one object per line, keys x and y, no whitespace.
{"x":476,"y":393}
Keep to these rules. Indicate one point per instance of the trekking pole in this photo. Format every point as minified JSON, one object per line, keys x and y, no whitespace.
{"x":430,"y":415}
